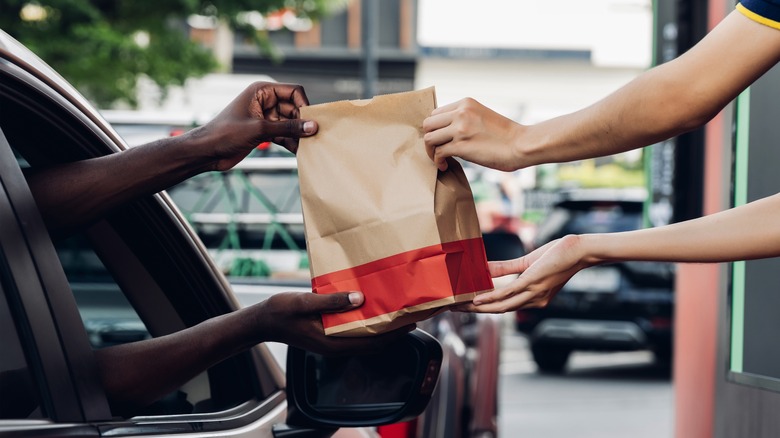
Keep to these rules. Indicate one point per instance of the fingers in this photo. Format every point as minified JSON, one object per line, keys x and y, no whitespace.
{"x":439,"y":153}
{"x":297,"y":94}
{"x":437,"y":133}
{"x":333,"y":303}
{"x":287,"y":110}
{"x":520,"y":264}
{"x":507,"y":267}
{"x":463,"y":307}
{"x":436,"y":122}
{"x":499,"y":294}
{"x":514,"y":296}
{"x":294,"y":128}
{"x":272,"y":94}
{"x":516,"y":302}
{"x":447,"y":108}
{"x":441,"y":129}
{"x":276,"y":101}
{"x":441,"y":163}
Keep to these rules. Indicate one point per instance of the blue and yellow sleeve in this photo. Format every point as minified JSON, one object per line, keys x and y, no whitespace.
{"x":763,"y":11}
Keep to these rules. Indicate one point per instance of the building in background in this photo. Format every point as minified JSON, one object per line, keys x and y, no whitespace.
{"x":326,"y":58}
{"x":529,"y":61}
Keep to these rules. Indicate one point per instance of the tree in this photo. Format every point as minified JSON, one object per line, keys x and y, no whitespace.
{"x":103,"y":46}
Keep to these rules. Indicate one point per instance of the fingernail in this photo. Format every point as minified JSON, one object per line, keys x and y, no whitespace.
{"x":308,"y":127}
{"x":355,"y":298}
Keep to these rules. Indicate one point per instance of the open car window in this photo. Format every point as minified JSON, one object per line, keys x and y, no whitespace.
{"x":138,"y":273}
{"x":249,"y":218}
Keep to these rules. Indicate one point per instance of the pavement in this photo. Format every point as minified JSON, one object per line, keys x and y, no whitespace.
{"x":602,"y":395}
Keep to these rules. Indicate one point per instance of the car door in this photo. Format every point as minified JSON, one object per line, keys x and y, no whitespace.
{"x":47,"y":376}
{"x":149,"y":265}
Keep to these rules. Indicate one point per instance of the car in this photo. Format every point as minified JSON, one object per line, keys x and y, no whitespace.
{"x":611,"y":307}
{"x":250,"y":220}
{"x":251,"y":223}
{"x":142,"y":272}
{"x":154,"y":244}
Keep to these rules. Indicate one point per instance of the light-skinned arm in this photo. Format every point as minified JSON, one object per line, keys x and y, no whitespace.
{"x":747,"y":232}
{"x":665,"y":101}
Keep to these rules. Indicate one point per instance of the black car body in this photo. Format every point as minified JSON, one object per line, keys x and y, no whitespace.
{"x":612,"y":307}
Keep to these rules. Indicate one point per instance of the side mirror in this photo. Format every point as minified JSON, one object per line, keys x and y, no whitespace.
{"x":366,"y":390}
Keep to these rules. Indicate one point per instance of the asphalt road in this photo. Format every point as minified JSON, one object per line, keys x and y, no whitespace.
{"x":602,"y":395}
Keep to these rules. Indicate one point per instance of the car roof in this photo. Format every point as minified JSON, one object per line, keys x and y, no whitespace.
{"x":14,"y":52}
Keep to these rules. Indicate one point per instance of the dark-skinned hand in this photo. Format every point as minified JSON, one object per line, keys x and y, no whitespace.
{"x":264,"y":111}
{"x":295,"y":318}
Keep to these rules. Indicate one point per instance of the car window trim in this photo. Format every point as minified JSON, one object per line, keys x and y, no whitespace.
{"x":252,"y":414}
{"x":59,"y":336}
{"x":32,"y":92}
{"x":45,"y":429}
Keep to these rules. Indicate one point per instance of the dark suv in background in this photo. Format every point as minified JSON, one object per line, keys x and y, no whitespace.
{"x":620,"y":306}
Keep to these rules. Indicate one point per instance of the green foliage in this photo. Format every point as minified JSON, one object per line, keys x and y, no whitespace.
{"x":95,"y":44}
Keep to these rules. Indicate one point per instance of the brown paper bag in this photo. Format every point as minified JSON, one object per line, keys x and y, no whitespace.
{"x":380,"y":218}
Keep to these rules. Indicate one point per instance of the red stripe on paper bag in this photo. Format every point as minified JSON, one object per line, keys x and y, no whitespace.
{"x":409,"y":279}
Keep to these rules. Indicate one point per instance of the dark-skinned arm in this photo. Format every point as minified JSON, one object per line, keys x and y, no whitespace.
{"x":75,"y":194}
{"x":139,"y":373}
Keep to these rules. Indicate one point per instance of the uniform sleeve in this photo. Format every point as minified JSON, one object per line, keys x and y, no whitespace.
{"x":763,"y":11}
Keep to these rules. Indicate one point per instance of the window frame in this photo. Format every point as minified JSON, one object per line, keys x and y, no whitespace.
{"x":49,"y":318}
{"x":258,"y":367}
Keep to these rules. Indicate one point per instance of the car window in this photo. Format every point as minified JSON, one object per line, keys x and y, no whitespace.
{"x":110,"y":319}
{"x":135,"y":274}
{"x":249,"y":218}
{"x":46,"y":322}
{"x":108,"y":316}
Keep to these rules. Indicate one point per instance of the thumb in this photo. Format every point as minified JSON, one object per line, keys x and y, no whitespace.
{"x":292,"y":128}
{"x":335,"y":302}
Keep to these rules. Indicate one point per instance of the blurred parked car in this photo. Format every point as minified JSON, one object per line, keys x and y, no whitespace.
{"x":142,"y":272}
{"x":619,"y":306}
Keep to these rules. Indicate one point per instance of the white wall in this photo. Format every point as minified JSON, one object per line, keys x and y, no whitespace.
{"x":617,"y":32}
{"x":525,"y":91}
